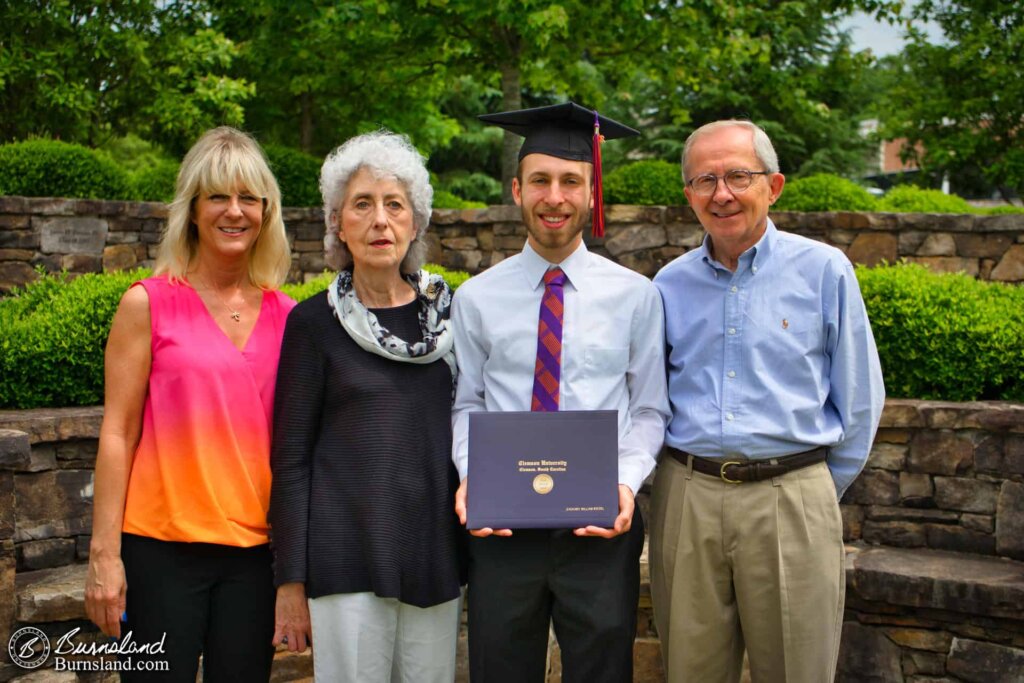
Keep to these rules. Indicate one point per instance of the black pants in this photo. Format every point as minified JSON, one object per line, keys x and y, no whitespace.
{"x":209,"y":599}
{"x":588,"y":587}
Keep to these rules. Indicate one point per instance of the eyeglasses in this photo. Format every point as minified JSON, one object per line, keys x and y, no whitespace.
{"x":736,"y":180}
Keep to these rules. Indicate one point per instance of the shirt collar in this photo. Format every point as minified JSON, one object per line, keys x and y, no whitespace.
{"x":756,"y":256}
{"x":534,"y":266}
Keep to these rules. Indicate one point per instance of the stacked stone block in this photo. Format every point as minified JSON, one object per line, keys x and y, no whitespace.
{"x":948,"y":476}
{"x":935,"y":591}
{"x":91,"y":236}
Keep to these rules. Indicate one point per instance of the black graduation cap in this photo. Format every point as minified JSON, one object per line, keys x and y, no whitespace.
{"x":566,"y":131}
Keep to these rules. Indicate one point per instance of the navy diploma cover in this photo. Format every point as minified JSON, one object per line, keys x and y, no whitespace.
{"x":543,"y":470}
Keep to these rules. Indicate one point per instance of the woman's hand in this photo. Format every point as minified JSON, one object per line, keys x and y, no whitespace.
{"x":105,"y":588}
{"x":291,"y":617}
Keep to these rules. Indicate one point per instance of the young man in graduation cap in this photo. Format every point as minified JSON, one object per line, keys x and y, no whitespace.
{"x":557,"y":327}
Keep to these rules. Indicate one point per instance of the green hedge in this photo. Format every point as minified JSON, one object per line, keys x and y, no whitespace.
{"x":999,"y":210}
{"x":55,"y":331}
{"x":155,"y":183}
{"x":913,"y":199}
{"x":947,"y":337}
{"x":644,"y":182}
{"x":444,"y":199}
{"x":473,"y":187}
{"x":51,"y":353}
{"x":824,"y":192}
{"x":297,"y":173}
{"x":50,"y":168}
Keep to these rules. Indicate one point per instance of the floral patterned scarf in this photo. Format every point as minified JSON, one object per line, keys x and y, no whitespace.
{"x":435,"y":299}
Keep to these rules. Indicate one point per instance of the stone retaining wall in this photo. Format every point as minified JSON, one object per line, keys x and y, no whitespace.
{"x":87,"y":236}
{"x":948,"y":476}
{"x":935,"y":525}
{"x":931,"y":616}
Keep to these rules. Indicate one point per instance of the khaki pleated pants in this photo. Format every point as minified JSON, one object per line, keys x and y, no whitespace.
{"x":755,"y":566}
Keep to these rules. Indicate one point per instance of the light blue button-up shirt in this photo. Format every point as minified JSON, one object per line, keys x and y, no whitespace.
{"x":773,"y":359}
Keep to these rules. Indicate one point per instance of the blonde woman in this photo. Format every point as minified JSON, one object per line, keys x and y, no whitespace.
{"x":180,"y":538}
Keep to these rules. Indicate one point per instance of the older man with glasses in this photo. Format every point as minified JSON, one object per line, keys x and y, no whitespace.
{"x":776,"y":392}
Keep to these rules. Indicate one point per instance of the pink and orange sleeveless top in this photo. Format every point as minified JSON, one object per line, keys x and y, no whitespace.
{"x":201,"y":472}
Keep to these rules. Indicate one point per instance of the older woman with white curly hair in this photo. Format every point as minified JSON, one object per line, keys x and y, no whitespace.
{"x":363,"y":529}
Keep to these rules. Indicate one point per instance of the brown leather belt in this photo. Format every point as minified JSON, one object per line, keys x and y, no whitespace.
{"x":740,"y":471}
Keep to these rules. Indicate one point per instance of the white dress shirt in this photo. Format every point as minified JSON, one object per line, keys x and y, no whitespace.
{"x":612,"y":350}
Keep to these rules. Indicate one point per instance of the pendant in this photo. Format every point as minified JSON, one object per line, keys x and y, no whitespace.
{"x":236,"y":316}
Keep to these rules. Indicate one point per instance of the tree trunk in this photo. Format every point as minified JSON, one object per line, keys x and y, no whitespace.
{"x":511,"y":99}
{"x":306,"y":122}
{"x":1006,"y":194}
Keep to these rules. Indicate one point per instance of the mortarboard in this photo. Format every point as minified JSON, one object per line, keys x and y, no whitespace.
{"x":566,"y":131}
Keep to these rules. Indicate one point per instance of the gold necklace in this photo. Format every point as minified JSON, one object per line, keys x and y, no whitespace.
{"x":236,"y":315}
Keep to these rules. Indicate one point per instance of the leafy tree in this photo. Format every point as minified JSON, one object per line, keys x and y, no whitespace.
{"x":533,"y":52}
{"x":669,"y":66}
{"x":310,"y":73}
{"x":961,"y":103}
{"x":784,"y":65}
{"x":326,"y":71}
{"x":84,"y":71}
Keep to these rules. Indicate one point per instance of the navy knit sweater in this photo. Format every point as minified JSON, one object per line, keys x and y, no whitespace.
{"x":363,"y":490}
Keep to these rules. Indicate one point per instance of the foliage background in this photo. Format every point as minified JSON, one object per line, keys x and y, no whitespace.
{"x":308,"y":75}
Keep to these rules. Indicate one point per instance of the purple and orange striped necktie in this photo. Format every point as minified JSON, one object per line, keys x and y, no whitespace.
{"x":548,"y":370}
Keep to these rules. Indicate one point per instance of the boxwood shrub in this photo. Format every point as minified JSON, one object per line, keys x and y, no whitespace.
{"x":913,"y":199}
{"x":55,"y":331}
{"x":297,"y":173}
{"x":473,"y":187}
{"x":1000,"y":210}
{"x":824,"y":192}
{"x":443,"y":199}
{"x":945,"y":336}
{"x":51,"y":168}
{"x":51,"y":351}
{"x":652,"y":181}
{"x":155,"y":183}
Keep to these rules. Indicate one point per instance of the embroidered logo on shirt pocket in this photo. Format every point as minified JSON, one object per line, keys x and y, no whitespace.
{"x":786,"y":321}
{"x":791,"y":328}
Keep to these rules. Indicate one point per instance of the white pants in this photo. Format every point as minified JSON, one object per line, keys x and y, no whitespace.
{"x":362,"y":638}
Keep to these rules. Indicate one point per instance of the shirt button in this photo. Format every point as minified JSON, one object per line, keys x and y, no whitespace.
{"x":729,"y":417}
{"x":732,"y":373}
{"x":732,"y":330}
{"x":753,"y":268}
{"x":734,"y":289}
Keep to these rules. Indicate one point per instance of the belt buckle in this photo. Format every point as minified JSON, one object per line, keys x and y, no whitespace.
{"x":727,"y":480}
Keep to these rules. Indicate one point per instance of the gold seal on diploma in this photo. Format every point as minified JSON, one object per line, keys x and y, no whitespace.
{"x":543,"y":483}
